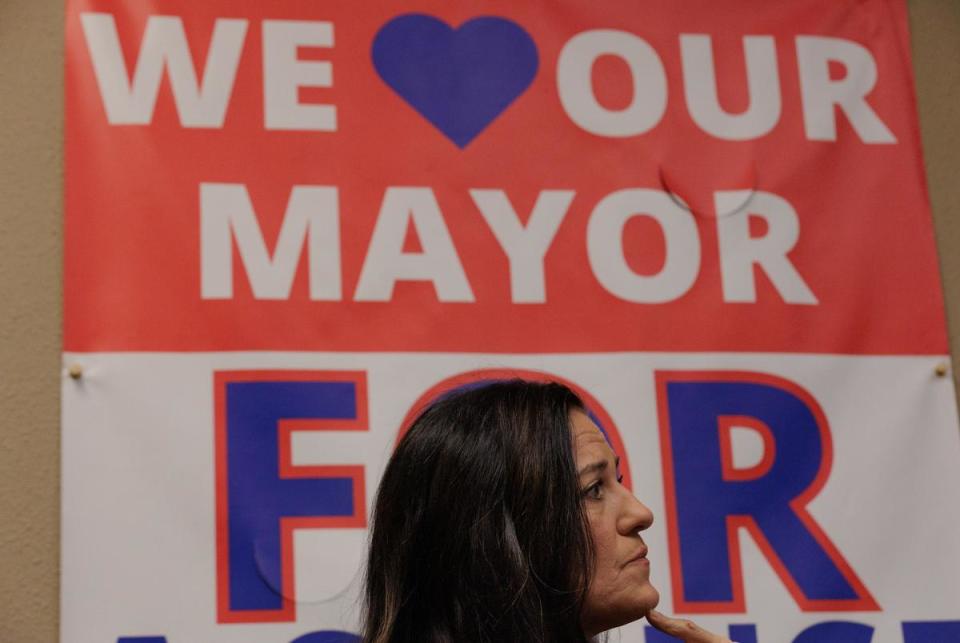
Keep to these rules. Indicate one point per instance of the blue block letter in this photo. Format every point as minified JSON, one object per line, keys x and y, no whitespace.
{"x":708,"y":500}
{"x":931,"y":632}
{"x":836,"y":632}
{"x":262,"y":497}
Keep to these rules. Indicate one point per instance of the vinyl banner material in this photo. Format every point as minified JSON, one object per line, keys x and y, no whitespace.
{"x":289,"y":225}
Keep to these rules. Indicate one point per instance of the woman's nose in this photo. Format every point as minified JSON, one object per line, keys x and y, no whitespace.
{"x":635,"y":516}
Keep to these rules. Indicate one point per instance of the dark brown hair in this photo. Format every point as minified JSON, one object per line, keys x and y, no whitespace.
{"x":478,"y":531}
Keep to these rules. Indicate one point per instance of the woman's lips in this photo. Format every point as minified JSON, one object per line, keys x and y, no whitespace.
{"x":640,"y":558}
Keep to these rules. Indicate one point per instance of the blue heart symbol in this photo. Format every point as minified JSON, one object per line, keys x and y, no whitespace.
{"x":458,"y":79}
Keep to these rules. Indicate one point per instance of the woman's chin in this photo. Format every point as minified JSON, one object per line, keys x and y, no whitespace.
{"x":649,"y":599}
{"x":622,"y":612}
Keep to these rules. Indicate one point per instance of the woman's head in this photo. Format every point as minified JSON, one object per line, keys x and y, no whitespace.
{"x":485,"y":530}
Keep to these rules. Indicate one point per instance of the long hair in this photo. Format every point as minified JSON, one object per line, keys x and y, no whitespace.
{"x":478,"y":531}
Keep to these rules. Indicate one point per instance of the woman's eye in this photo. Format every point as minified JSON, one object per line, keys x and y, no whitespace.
{"x":593,"y":492}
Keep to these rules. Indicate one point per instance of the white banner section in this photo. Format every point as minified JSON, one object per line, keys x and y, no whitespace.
{"x":145,"y":526}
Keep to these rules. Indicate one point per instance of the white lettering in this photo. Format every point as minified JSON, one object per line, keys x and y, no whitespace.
{"x":574,"y":83}
{"x":525,"y":246}
{"x":283,"y":75}
{"x":312,"y":213}
{"x":605,"y":246}
{"x":739,"y":251}
{"x":164,"y":45}
{"x":386,"y":262}
{"x":700,"y":87}
{"x":820,"y":94}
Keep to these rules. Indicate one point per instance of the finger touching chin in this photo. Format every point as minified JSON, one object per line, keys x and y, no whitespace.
{"x":683,"y":629}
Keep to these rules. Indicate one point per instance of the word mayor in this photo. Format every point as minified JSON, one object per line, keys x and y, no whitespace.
{"x":312,"y":221}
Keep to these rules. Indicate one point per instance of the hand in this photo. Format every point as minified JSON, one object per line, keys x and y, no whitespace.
{"x":683,"y":629}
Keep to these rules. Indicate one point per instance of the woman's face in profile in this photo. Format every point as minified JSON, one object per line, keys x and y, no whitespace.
{"x":620,"y":590}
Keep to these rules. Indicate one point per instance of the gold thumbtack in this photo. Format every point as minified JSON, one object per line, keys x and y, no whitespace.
{"x":941,"y":369}
{"x":75,"y":371}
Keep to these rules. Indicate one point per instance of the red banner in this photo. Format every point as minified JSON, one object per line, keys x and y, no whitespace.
{"x":691,"y":177}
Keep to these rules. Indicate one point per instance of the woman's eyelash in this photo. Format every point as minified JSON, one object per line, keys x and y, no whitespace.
{"x":593,"y":491}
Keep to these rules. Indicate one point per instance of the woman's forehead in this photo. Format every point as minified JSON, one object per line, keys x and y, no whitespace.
{"x":587,"y":437}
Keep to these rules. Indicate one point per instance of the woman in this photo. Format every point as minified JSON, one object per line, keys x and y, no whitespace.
{"x":501,"y":518}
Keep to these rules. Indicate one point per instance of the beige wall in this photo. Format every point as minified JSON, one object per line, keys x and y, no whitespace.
{"x":31,"y":161}
{"x":31,"y":53}
{"x":936,"y":62}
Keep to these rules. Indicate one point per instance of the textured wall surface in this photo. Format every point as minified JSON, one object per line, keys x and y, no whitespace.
{"x":936,"y":63}
{"x":31,"y":53}
{"x":31,"y":111}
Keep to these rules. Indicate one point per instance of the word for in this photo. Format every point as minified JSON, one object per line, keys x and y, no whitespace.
{"x":263,"y":496}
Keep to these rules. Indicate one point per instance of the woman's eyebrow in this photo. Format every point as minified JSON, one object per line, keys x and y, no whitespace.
{"x":593,"y":467}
